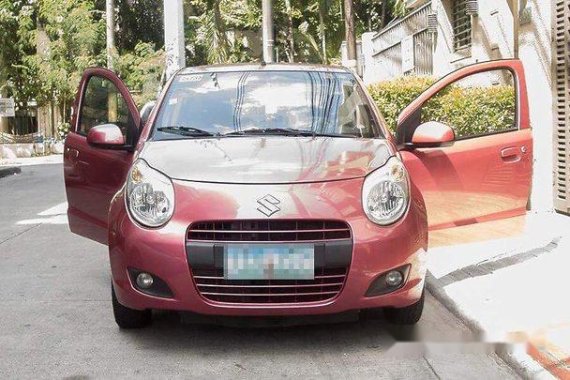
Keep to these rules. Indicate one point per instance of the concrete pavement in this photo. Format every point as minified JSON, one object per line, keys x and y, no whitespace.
{"x":28,"y":161}
{"x":56,"y":319}
{"x":509,"y":280}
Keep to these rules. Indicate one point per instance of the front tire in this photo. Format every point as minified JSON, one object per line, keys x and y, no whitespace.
{"x":409,"y":315}
{"x":128,"y":318}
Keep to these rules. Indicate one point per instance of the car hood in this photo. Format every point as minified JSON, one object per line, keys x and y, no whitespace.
{"x":266,"y":159}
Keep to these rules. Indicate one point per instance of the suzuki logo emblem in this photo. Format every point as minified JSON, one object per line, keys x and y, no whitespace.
{"x":268,"y":205}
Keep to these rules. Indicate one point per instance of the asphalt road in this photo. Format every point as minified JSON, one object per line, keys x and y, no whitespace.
{"x":56,"y":318}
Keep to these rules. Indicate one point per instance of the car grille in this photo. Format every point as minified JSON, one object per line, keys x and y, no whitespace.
{"x":268,"y":230}
{"x":212,"y":285}
{"x":329,"y":278}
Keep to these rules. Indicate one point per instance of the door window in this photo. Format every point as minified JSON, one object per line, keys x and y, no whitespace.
{"x":480,"y":104}
{"x":102,"y":104}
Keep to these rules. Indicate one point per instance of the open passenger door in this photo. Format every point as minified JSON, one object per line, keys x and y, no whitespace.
{"x":474,"y":165}
{"x":98,"y":151}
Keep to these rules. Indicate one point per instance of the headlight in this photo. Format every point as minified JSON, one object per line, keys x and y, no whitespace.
{"x":150,"y":195}
{"x":385,"y":193}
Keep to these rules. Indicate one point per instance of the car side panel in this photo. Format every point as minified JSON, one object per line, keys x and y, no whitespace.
{"x":471,"y":181}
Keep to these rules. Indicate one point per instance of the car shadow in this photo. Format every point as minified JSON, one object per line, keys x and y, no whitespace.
{"x":369,"y":331}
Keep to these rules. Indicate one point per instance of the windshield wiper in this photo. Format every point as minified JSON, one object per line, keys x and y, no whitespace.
{"x":185,"y":131}
{"x":284,"y":132}
{"x":266,"y":131}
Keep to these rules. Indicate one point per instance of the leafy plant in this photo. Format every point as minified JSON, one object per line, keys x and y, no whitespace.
{"x":63,"y":129}
{"x":72,"y":40}
{"x":469,"y":110}
{"x":18,"y":74}
{"x":393,"y":96}
{"x":141,"y":71}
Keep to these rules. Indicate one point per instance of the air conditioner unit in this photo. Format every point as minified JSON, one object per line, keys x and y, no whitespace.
{"x":432,"y":23}
{"x":472,"y":7}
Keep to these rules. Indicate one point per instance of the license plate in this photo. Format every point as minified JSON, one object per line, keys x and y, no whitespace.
{"x":269,"y":262}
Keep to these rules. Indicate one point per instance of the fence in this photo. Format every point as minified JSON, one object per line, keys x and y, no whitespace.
{"x":7,"y":138}
{"x":387,"y":45}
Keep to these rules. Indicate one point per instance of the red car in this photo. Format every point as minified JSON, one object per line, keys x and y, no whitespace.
{"x":278,"y":190}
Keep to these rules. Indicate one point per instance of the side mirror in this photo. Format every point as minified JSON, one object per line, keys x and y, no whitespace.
{"x":432,"y":134}
{"x":106,"y":136}
{"x":145,"y":112}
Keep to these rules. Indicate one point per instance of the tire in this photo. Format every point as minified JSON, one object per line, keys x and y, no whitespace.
{"x":409,"y":315}
{"x":129,"y":318}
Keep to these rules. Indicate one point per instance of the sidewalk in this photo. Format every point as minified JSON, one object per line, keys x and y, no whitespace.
{"x":510,"y":280}
{"x":39,"y":160}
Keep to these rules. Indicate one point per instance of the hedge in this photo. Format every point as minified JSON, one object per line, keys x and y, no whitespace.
{"x":469,"y":110}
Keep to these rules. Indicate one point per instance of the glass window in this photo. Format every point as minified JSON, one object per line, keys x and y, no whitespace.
{"x":476,"y":105}
{"x":225,"y":102}
{"x":102,"y":104}
{"x":461,"y":25}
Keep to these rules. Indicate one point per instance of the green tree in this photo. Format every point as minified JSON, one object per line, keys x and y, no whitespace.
{"x":213,"y":30}
{"x":141,"y":71}
{"x":74,"y":40}
{"x":18,"y":73}
{"x":136,"y":21}
{"x":305,"y":31}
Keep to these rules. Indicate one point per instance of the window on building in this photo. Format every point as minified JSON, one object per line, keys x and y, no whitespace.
{"x":461,"y":25}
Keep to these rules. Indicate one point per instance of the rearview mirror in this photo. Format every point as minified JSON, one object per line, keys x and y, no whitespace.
{"x":106,"y":136}
{"x":432,"y":134}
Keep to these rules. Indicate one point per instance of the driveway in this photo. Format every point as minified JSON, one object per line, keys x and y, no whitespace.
{"x":56,"y":318}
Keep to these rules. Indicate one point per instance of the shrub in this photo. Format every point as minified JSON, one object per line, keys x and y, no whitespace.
{"x":469,"y":110}
{"x":63,"y":130}
{"x":394,"y":95}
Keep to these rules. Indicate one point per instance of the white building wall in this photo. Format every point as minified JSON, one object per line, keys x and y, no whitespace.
{"x":536,"y":54}
{"x":492,"y":36}
{"x":372,"y":71}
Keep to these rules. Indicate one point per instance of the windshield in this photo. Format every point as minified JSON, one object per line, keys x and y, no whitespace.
{"x":267,"y":102}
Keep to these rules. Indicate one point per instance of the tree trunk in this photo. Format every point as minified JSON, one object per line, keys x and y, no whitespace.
{"x":110,"y":23}
{"x":290,"y":36}
{"x":220,"y":32}
{"x":52,"y":117}
{"x":322,"y":14}
{"x":384,"y":14}
{"x":350,"y":33}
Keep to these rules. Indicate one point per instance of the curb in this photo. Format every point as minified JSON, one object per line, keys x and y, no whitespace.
{"x":558,"y":367}
{"x":514,"y":355}
{"x":4,"y":172}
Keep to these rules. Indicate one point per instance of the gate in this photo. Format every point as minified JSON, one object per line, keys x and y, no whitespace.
{"x":387,"y":45}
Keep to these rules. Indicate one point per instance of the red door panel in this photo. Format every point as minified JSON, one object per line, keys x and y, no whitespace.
{"x":472,"y":181}
{"x":93,"y":175}
{"x":475,"y":179}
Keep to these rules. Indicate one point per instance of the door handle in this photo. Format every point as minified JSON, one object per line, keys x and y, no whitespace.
{"x":511,"y":154}
{"x":71,"y":153}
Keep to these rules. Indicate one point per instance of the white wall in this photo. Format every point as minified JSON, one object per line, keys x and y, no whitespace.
{"x":536,"y":54}
{"x":492,"y":36}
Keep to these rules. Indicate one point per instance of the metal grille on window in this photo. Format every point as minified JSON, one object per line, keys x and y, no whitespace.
{"x":561,"y":57}
{"x":461,"y":25}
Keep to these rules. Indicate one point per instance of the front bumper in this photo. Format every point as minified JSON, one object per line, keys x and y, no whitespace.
{"x":163,"y":251}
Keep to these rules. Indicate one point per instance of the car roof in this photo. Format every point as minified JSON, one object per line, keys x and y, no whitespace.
{"x":255,"y":66}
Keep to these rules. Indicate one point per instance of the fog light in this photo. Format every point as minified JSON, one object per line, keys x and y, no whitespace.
{"x":144,"y":280}
{"x":394,"y":278}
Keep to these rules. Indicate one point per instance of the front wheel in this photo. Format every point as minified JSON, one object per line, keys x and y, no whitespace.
{"x":409,"y":315}
{"x":128,"y":318}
